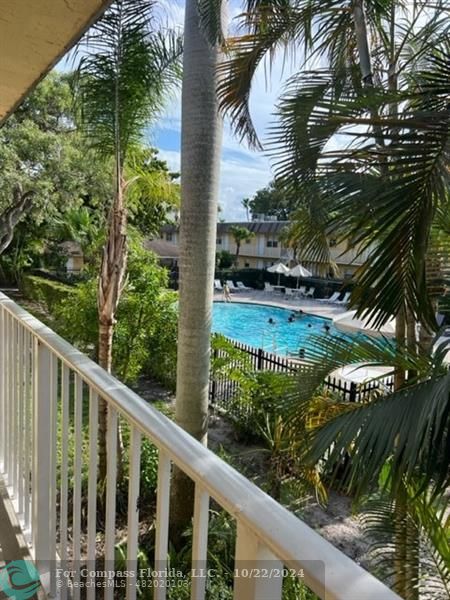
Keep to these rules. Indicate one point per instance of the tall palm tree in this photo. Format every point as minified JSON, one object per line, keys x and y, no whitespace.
{"x":123,"y":80}
{"x":246,"y":205}
{"x":200,"y":167}
{"x":381,"y":190}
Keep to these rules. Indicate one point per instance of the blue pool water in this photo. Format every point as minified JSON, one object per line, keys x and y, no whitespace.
{"x":249,"y":324}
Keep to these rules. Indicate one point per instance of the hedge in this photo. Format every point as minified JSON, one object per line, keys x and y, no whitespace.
{"x":45,"y":292}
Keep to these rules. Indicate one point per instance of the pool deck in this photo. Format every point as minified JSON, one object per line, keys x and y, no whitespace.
{"x":312,"y":307}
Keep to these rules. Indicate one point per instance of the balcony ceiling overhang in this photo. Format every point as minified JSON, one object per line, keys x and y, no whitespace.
{"x":34,"y":36}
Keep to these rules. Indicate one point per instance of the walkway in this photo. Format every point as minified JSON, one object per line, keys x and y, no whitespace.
{"x":313,"y":307}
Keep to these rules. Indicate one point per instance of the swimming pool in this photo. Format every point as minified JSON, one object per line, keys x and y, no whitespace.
{"x":249,"y":324}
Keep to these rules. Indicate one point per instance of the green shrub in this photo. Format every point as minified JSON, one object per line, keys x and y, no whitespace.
{"x":145,"y":332}
{"x":47,"y":293}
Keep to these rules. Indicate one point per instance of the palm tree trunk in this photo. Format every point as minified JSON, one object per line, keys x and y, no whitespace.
{"x":362,"y":42}
{"x":111,"y":278}
{"x":200,"y":167}
{"x":401,"y":541}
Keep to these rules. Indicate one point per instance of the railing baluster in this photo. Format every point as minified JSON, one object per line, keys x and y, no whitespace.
{"x":162,"y":523}
{"x":11,"y":378}
{"x":28,"y":426}
{"x":78,"y":425}
{"x":21,"y":405}
{"x":251,"y":557}
{"x":64,"y":489}
{"x":92,"y":488}
{"x":42,"y":458}
{"x":53,"y":398}
{"x":200,"y":543}
{"x":2,"y":389}
{"x":111,"y":482}
{"x":133,"y":510}
{"x":8,"y":396}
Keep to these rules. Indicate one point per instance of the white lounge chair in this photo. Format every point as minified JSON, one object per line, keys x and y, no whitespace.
{"x":268,"y":287}
{"x":290,"y":292}
{"x":301,"y":291}
{"x":218,"y":285}
{"x":231,"y":286}
{"x":332,"y":299}
{"x":310,"y":292}
{"x":243,"y":287}
{"x":344,"y":300}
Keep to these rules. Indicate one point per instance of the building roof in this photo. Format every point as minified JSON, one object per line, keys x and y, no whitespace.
{"x":71,"y":248}
{"x":265,"y":227}
{"x":34,"y":35}
{"x":162,"y":248}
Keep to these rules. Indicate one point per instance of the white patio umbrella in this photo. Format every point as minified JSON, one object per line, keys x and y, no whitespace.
{"x":279,"y":268}
{"x":299,"y":271}
{"x":348,"y":323}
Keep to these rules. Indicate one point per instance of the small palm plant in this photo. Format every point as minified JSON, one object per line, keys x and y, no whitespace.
{"x":240,"y":234}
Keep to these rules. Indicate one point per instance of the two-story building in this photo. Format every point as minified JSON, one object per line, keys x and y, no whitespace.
{"x":265,"y":247}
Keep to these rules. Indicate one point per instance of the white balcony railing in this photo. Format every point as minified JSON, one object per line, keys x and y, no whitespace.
{"x":42,"y":380}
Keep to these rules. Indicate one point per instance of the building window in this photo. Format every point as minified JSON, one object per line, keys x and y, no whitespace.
{"x":272,"y":243}
{"x":247,"y":265}
{"x":219,"y":241}
{"x":168,"y":237}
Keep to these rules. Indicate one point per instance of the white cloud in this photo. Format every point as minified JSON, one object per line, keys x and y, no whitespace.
{"x":238,"y":180}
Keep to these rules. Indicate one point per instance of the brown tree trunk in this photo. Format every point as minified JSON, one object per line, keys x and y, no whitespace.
{"x":106,"y":331}
{"x":112,"y":274}
{"x":21,"y":206}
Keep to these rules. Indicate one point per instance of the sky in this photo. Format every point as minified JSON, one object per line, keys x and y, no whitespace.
{"x":243,"y":171}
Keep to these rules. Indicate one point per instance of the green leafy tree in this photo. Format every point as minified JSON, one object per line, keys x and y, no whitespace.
{"x":45,"y":170}
{"x":145,"y":308}
{"x":273,"y":200}
{"x":123,"y":80}
{"x":155,"y":193}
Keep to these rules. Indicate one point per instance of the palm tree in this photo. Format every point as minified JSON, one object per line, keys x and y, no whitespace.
{"x":246,"y":204}
{"x":239,"y":235}
{"x":200,"y":164}
{"x":381,"y":191}
{"x":123,"y":81}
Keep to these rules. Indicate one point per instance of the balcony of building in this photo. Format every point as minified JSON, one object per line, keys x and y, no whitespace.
{"x":49,"y":391}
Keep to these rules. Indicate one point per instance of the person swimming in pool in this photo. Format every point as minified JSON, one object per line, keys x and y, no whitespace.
{"x":327,"y":328}
{"x":291,"y":319}
{"x":271,"y":321}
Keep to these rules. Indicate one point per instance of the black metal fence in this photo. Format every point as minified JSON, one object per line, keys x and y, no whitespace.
{"x":222,"y":389}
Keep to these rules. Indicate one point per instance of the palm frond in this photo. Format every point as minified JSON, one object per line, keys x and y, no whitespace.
{"x":211,"y":13}
{"x":426,"y":549}
{"x":382,"y":199}
{"x":125,"y":73}
{"x":410,"y":428}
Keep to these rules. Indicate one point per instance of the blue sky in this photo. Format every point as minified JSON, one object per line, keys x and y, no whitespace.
{"x":242,"y":170}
